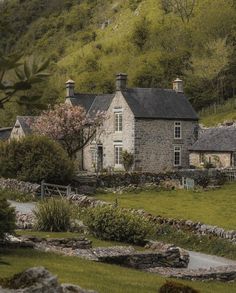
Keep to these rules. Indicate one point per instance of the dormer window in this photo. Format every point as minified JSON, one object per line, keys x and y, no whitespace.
{"x":118,"y":121}
{"x":177,"y":130}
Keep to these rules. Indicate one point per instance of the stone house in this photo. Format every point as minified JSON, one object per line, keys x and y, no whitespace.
{"x":157,"y":126}
{"x":22,"y":127}
{"x":215,"y":146}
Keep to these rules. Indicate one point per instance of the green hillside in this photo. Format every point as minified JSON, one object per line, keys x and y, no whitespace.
{"x":153,"y":41}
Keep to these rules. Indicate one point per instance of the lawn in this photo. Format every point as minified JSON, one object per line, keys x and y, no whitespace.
{"x":215,"y":207}
{"x":104,"y":278}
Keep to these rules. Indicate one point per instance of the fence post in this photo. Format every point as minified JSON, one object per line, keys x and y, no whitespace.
{"x":68,"y":190}
{"x":42,"y":189}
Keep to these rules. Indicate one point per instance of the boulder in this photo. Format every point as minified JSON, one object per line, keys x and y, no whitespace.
{"x":38,"y":280}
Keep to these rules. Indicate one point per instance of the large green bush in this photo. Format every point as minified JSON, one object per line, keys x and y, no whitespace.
{"x":111,"y":223}
{"x":35,"y":159}
{"x":7,"y":218}
{"x":53,"y":215}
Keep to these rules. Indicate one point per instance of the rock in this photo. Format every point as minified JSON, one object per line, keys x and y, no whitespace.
{"x":38,"y":280}
{"x":68,"y":288}
{"x":129,"y":257}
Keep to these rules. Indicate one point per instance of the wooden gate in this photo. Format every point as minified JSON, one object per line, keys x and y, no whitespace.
{"x":48,"y":189}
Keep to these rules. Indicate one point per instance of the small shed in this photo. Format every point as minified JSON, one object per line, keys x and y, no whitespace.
{"x":215,"y":146}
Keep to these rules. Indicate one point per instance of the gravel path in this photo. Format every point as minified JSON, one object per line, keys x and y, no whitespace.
{"x":206,"y":261}
{"x":23,"y":208}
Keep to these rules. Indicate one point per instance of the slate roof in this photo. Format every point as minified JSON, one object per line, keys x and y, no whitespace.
{"x":149,"y":103}
{"x":219,"y":139}
{"x":154,"y":103}
{"x":26,"y":123}
{"x":5,"y":133}
{"x":92,"y":102}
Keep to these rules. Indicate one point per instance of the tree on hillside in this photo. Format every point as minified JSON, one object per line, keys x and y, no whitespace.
{"x":69,"y":125}
{"x":184,"y":8}
{"x":17,"y":78}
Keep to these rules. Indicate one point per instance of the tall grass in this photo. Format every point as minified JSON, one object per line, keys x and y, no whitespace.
{"x":54,"y":215}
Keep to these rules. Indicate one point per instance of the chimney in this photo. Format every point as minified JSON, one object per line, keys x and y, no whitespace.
{"x":178,"y":85}
{"x":70,"y":88}
{"x":121,"y":81}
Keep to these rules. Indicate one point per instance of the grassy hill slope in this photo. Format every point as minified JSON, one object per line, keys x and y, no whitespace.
{"x":154,"y":42}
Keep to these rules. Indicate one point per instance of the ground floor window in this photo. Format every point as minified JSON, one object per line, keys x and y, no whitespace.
{"x":177,"y":156}
{"x":118,"y":155}
{"x":93,"y":156}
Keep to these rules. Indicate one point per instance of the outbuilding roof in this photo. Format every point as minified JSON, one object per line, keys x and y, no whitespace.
{"x":5,"y":133}
{"x":26,"y":123}
{"x":217,"y":139}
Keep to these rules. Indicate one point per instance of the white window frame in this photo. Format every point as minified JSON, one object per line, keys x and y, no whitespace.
{"x":118,"y":117}
{"x":93,"y":151}
{"x":118,"y":146}
{"x":178,"y":149}
{"x":178,"y":124}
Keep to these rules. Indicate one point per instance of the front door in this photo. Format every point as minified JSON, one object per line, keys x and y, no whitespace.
{"x":100,"y":158}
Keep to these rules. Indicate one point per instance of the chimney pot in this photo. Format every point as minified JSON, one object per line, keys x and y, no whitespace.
{"x":70,"y":88}
{"x":178,"y":85}
{"x":121,"y":81}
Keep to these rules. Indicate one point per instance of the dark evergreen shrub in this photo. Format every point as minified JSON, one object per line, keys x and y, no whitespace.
{"x":112,"y":223}
{"x":35,"y":159}
{"x":7,"y":218}
{"x":174,"y":287}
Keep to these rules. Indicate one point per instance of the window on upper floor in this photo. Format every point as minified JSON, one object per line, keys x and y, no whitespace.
{"x":178,"y":130}
{"x":118,"y":121}
{"x":177,"y":156}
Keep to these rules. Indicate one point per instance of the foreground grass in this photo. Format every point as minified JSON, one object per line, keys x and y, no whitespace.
{"x":215,"y":207}
{"x":183,"y":239}
{"x":104,"y":278}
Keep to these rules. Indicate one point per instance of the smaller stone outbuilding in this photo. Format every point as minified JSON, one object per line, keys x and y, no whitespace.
{"x":5,"y":133}
{"x":216,"y":147}
{"x":22,"y":127}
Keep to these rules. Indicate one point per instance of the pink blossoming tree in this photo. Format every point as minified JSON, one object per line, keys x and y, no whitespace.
{"x":70,"y":126}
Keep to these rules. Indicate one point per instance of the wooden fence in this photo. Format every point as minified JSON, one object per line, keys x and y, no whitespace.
{"x":230,"y":174}
{"x":218,"y":108}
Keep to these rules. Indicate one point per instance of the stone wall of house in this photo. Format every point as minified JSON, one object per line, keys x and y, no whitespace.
{"x":154,"y":144}
{"x":17,"y":131}
{"x":220,"y":160}
{"x":109,"y":137}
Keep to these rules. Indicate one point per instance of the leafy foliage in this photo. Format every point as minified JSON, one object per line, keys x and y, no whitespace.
{"x":53,"y":215}
{"x":128,"y":160}
{"x":69,"y":125}
{"x":25,"y":75}
{"x":112,"y":223}
{"x":7,"y":218}
{"x":35,"y":159}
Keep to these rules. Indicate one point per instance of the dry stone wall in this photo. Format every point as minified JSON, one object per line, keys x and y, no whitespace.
{"x":19,"y":186}
{"x":195,"y":227}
